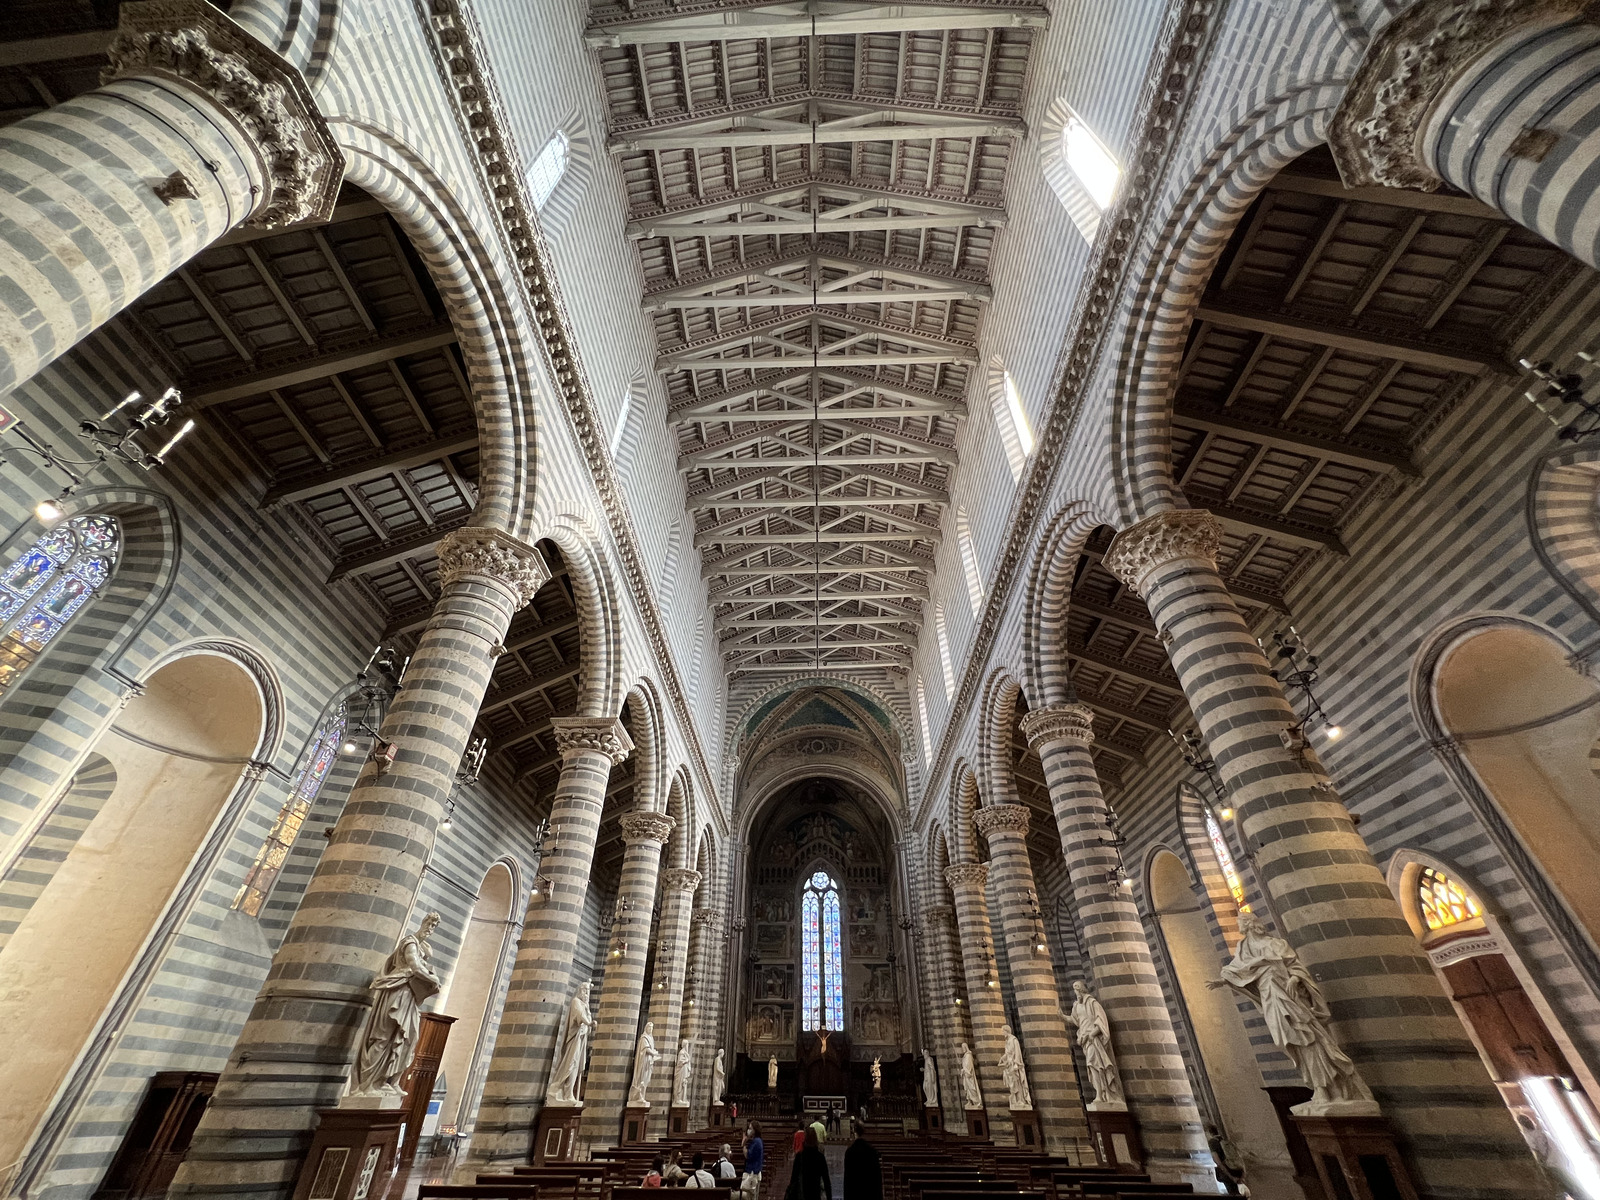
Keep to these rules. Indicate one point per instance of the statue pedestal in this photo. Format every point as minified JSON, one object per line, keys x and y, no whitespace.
{"x":1026,"y":1122}
{"x":1116,"y":1139}
{"x":1356,"y":1157}
{"x":678,"y":1119}
{"x":555,"y":1134}
{"x":351,"y":1154}
{"x":932,"y":1117}
{"x":977,"y":1123}
{"x":717,"y":1116}
{"x":635,"y":1123}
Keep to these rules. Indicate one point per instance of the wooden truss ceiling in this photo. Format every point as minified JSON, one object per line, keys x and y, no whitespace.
{"x":1340,"y":327}
{"x":814,"y":191}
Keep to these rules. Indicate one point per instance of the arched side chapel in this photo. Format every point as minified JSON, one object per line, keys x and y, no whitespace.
{"x":1234,"y":754}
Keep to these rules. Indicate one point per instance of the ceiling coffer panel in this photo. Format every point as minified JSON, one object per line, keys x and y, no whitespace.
{"x":814,"y":190}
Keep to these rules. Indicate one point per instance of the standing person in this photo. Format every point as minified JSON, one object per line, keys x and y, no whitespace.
{"x":755,"y":1153}
{"x":821,"y":1130}
{"x":808,"y":1177}
{"x":799,"y":1136}
{"x":1230,"y":1174}
{"x":698,"y":1176}
{"x":863,"y":1169}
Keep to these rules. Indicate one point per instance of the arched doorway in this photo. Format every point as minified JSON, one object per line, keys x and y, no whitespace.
{"x":473,"y":990}
{"x":1227,"y":1058}
{"x":178,"y":751}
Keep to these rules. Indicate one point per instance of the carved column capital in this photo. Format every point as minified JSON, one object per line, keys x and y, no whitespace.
{"x":1407,"y":67}
{"x":680,"y":879}
{"x":1156,"y":541}
{"x":574,"y":735}
{"x":964,"y":875}
{"x":1063,"y":723}
{"x":495,"y":555}
{"x":192,"y":43}
{"x":1002,"y":818}
{"x":646,"y":827}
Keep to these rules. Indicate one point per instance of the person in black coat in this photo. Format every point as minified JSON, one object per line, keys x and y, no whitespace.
{"x":808,"y":1175}
{"x":863,"y":1170}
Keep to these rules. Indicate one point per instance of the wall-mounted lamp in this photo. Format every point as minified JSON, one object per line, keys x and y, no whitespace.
{"x":1298,"y":668}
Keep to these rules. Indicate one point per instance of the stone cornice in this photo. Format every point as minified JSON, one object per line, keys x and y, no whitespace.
{"x":1161,"y":539}
{"x":1063,"y":723}
{"x":965,"y":875}
{"x":1002,"y":818}
{"x":575,"y":735}
{"x":680,"y":879}
{"x":193,"y":43}
{"x":1406,"y":68}
{"x":480,"y":115}
{"x":645,"y":827}
{"x":1188,"y":30}
{"x":494,"y":555}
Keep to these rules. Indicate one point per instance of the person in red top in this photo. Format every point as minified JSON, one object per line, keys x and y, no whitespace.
{"x":799,"y":1136}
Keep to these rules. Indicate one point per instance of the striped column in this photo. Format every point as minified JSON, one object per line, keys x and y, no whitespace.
{"x":297,"y":1045}
{"x":1124,"y":979}
{"x":198,"y":128}
{"x":951,"y":1022}
{"x":1389,"y":1012}
{"x":543,"y":979}
{"x":986,"y":1010}
{"x":617,"y":1026}
{"x":702,"y":1018}
{"x":1498,"y":99}
{"x":1052,"y":1076}
{"x":666,"y":993}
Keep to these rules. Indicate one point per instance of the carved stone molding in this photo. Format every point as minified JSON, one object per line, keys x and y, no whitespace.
{"x":965,"y":875}
{"x":1002,"y":818}
{"x":499,"y":556}
{"x":940,"y":914}
{"x":193,"y":43}
{"x":1407,"y":67}
{"x":575,"y":735}
{"x":680,"y":879}
{"x":1163,"y":538}
{"x":1063,"y":723}
{"x":710,"y":918}
{"x":645,"y":827}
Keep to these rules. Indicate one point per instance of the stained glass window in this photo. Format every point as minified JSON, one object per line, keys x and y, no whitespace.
{"x":821,"y":954}
{"x":52,"y":580}
{"x":320,"y":756}
{"x":1219,"y":843}
{"x":1444,"y":903}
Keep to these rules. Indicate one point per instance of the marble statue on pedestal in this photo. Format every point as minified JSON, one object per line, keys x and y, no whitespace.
{"x":719,"y":1078}
{"x":971,"y":1093}
{"x":930,"y":1080}
{"x":394,"y":1022}
{"x":1015,"y":1072}
{"x":645,"y":1057}
{"x":572,"y":1052}
{"x":683,"y":1075}
{"x":1094,"y":1038}
{"x":772,"y":1073}
{"x":1267,"y":970}
{"x":877,"y":1072}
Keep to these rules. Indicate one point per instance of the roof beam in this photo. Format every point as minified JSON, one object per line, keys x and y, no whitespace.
{"x":303,"y":487}
{"x":724,"y":623}
{"x":1200,"y":415}
{"x":1242,"y":520}
{"x":1439,"y":355}
{"x":204,"y":391}
{"x":854,"y":208}
{"x":808,"y":123}
{"x":393,"y":550}
{"x":800,"y":18}
{"x":528,"y":688}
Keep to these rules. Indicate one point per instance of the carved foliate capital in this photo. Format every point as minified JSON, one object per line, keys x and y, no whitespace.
{"x":1407,"y":67}
{"x":679,"y":879}
{"x":1156,"y":541}
{"x":493,"y":555}
{"x":645,"y":827}
{"x":1063,"y":723}
{"x":964,"y":875}
{"x":575,"y":735}
{"x":1002,"y":818}
{"x":193,"y":43}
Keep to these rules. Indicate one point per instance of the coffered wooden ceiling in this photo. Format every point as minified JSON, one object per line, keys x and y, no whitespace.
{"x":814,"y":191}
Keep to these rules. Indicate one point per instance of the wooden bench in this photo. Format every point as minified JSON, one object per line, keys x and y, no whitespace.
{"x":516,"y":1190}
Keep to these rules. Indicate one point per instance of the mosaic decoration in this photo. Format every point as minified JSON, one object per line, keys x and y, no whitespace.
{"x":1225,"y":860}
{"x":1444,"y":903}
{"x":822,"y":954}
{"x":55,"y":577}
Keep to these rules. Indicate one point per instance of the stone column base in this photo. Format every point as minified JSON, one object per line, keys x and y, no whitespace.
{"x":977,"y":1123}
{"x":351,"y":1151}
{"x":1116,"y":1140}
{"x":555,"y":1134}
{"x":635,"y":1124}
{"x":1026,"y":1123}
{"x":1353,"y":1154}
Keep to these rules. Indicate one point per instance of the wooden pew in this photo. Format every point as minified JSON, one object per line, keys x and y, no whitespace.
{"x":516,"y":1190}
